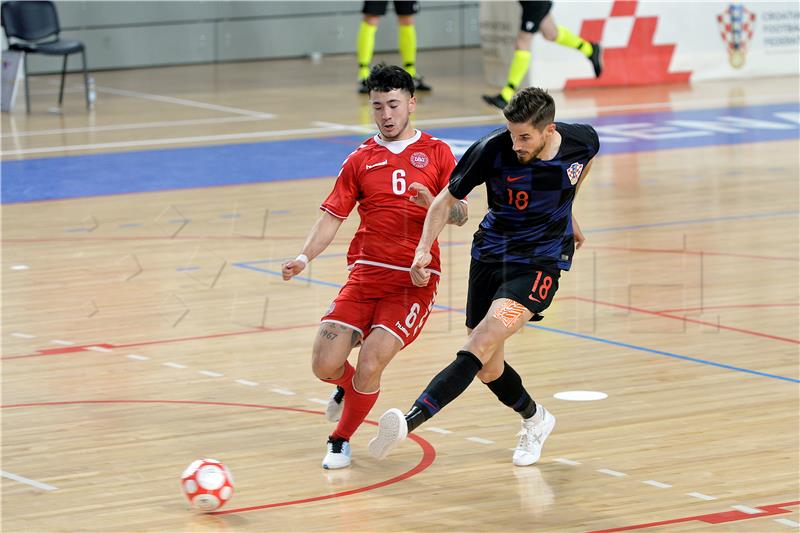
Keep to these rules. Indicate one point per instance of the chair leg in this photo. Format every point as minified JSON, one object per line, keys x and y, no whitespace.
{"x":63,"y":75}
{"x":27,"y":91}
{"x":86,"y":80}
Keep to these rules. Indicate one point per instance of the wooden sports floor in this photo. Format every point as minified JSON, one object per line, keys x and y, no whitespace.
{"x":143,"y":330}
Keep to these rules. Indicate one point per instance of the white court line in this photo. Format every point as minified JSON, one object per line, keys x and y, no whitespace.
{"x":363,"y":128}
{"x":701,"y":496}
{"x":614,"y":473}
{"x":184,"y":102}
{"x":787,"y":522}
{"x":246,"y":382}
{"x":480,"y":440}
{"x":441,"y":431}
{"x":680,"y":104}
{"x":172,"y":140}
{"x":283,"y":392}
{"x":31,"y":482}
{"x":317,"y":400}
{"x":747,"y":510}
{"x":23,"y":335}
{"x":98,"y":349}
{"x":61,"y":342}
{"x":566,"y":461}
{"x":574,"y":112}
{"x":135,"y":126}
{"x":210,"y":373}
{"x":138,"y":357}
{"x":654,"y":483}
{"x":174,"y":365}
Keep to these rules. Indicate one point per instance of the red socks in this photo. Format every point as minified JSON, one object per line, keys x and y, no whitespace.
{"x":346,"y":381}
{"x":357,"y":406}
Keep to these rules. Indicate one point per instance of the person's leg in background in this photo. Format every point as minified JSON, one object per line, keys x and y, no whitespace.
{"x":365,"y":41}
{"x":536,"y":17}
{"x":407,"y":40}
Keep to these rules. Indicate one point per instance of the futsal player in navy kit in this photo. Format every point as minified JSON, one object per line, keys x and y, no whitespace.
{"x":532,"y":170}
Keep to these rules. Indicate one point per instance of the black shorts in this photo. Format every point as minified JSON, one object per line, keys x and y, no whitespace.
{"x":530,"y":285}
{"x":401,"y":8}
{"x":532,"y":14}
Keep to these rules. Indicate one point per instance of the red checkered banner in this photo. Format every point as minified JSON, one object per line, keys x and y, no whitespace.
{"x":649,"y":43}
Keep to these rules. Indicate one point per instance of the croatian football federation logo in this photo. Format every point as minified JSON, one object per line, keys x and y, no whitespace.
{"x":419,"y":160}
{"x":736,"y":25}
{"x":574,"y":172}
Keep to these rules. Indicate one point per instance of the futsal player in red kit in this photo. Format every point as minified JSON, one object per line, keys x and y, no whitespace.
{"x":392,"y":177}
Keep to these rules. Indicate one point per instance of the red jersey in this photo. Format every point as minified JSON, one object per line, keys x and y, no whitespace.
{"x":376,"y":176}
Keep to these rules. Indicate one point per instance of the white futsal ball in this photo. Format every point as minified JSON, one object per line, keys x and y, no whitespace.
{"x":208,"y":484}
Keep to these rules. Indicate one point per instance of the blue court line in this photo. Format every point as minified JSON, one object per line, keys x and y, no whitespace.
{"x":194,"y":167}
{"x":276,"y":273}
{"x":661,"y":352}
{"x":248,"y":266}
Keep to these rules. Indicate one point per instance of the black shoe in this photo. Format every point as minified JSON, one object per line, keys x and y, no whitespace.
{"x":497,"y":101}
{"x":362,"y":87}
{"x":420,"y":85}
{"x":597,"y":59}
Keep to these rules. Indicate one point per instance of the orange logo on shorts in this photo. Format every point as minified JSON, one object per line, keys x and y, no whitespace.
{"x":508,"y":312}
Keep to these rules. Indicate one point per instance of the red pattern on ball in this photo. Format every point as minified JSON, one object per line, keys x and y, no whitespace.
{"x":202,"y":498}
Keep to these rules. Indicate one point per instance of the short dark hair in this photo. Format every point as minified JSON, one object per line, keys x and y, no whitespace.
{"x":384,"y":78}
{"x":532,"y":105}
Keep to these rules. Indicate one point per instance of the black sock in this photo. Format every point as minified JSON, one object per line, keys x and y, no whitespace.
{"x":444,"y":388}
{"x":509,"y":390}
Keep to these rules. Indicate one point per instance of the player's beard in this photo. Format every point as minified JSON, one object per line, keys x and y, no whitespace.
{"x":527,"y":157}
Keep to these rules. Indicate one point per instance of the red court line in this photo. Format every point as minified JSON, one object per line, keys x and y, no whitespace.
{"x":690,"y":252}
{"x":692,"y":320}
{"x":713,"y":518}
{"x":92,"y":238}
{"x":737,"y":306}
{"x":85,"y":347}
{"x":428,"y":451}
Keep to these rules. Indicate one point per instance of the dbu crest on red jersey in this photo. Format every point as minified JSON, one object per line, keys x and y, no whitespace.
{"x":419,"y":159}
{"x":574,"y":172}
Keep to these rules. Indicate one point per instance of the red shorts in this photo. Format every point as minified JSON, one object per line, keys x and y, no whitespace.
{"x":377,"y":297}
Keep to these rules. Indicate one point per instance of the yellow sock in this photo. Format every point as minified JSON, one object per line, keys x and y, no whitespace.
{"x":517,"y":70}
{"x":407,"y":44}
{"x":365,"y":46}
{"x":567,"y":38}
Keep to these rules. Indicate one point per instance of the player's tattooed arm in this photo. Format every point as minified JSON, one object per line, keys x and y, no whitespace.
{"x":458,"y":214}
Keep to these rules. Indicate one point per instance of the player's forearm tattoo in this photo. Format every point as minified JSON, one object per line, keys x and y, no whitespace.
{"x":458,"y":214}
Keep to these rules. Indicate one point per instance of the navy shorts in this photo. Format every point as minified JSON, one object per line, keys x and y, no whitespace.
{"x":533,"y":286}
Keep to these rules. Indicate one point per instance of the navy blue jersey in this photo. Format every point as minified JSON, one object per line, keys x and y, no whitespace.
{"x":530,"y":204}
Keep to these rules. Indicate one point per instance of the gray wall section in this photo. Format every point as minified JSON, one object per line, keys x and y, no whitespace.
{"x":123,"y":34}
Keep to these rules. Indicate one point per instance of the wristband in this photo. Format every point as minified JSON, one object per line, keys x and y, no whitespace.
{"x":303,"y":258}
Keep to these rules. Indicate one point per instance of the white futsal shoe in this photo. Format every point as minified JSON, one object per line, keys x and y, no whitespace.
{"x":532,"y":437}
{"x":392,"y":430}
{"x":335,"y":405}
{"x":338,"y":455}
